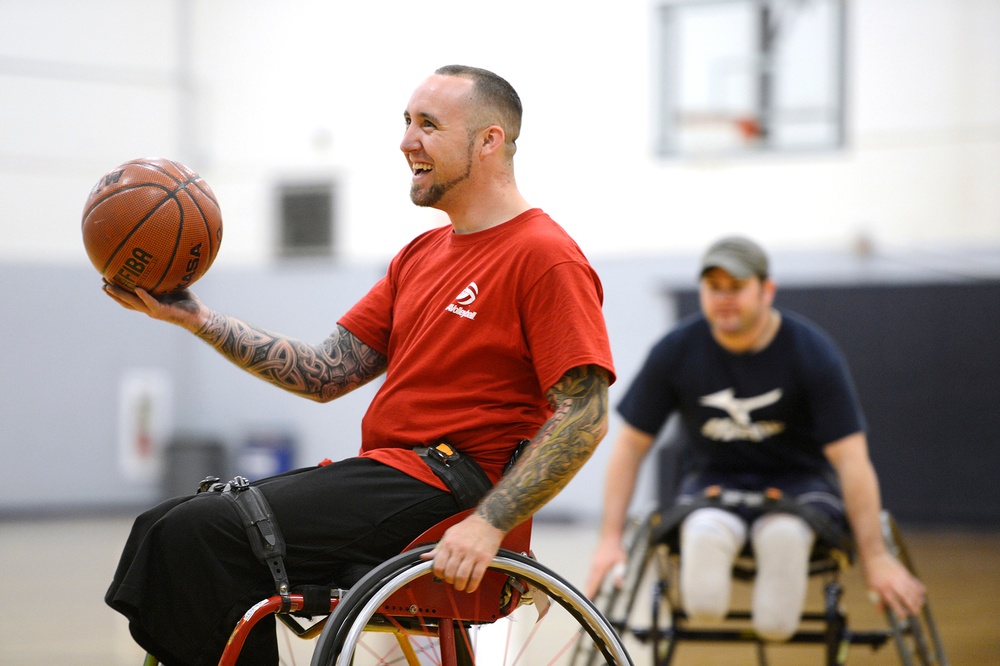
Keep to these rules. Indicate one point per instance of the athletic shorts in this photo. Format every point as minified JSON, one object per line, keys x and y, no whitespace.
{"x":808,"y":489}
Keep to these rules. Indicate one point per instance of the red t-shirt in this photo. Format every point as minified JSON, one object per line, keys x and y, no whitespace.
{"x":476,"y":327}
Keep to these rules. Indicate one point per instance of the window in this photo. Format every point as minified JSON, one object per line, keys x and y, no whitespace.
{"x":750,"y":76}
{"x":306,"y":220}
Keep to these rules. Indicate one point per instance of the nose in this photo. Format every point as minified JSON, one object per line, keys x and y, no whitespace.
{"x":409,"y":142}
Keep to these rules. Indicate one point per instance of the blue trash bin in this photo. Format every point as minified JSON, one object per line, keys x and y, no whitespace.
{"x":265,"y":455}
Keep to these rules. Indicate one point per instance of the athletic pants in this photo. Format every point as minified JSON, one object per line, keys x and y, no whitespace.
{"x":187,"y":573}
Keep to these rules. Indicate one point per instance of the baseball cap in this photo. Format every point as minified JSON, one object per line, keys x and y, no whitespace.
{"x":738,"y":256}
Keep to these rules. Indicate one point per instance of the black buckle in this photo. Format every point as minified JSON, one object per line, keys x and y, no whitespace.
{"x":209,"y":484}
{"x":239,"y":484}
{"x":212,"y":484}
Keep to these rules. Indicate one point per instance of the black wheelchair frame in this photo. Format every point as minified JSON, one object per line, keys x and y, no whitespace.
{"x":651,"y":556}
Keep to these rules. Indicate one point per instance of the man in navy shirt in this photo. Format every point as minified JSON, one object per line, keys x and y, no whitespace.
{"x":765,"y":401}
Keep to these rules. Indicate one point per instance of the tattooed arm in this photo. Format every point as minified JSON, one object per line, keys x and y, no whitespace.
{"x":558,"y":451}
{"x":321,"y":372}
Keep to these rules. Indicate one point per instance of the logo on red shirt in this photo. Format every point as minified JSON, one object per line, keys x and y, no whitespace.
{"x":466,"y":297}
{"x":468,"y":294}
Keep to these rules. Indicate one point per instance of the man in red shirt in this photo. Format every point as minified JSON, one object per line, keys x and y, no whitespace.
{"x":489,"y":332}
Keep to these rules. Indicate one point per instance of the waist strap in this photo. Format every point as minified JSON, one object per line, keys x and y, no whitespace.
{"x":465,"y":479}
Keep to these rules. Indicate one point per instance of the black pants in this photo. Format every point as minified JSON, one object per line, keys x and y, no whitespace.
{"x":187,"y":573}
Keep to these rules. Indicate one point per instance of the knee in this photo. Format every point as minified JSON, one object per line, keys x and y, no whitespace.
{"x":201,"y":520}
{"x":782,"y":544}
{"x":784,"y":527}
{"x":712,"y":532}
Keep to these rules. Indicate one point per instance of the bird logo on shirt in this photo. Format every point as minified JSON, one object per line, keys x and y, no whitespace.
{"x":739,"y":424}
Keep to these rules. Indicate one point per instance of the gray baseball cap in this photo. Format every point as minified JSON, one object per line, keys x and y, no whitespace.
{"x":738,"y":256}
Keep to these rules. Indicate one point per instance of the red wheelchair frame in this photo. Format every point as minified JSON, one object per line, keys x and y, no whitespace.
{"x":434,"y":601}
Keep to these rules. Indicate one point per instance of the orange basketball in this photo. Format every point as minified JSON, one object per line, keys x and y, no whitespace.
{"x":152,"y":223}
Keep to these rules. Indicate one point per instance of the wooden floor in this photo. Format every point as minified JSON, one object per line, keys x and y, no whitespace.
{"x":962,"y":572}
{"x":54,"y":574}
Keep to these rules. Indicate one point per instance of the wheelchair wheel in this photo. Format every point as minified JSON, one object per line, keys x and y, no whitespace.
{"x":389,"y":617}
{"x":617,"y":601}
{"x":917,"y":639}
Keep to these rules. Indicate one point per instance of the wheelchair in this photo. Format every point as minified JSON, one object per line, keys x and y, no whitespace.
{"x":401,"y":613}
{"x":658,"y":629}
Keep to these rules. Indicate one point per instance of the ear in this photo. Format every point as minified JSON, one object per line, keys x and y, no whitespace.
{"x":491,"y":140}
{"x":769,"y":289}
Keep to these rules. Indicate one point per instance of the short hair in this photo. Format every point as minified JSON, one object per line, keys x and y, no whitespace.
{"x":497,"y":101}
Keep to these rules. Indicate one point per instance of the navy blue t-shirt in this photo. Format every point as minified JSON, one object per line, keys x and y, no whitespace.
{"x":767,"y":412}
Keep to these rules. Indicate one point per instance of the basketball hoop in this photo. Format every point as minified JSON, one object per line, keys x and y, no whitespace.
{"x":718,"y":133}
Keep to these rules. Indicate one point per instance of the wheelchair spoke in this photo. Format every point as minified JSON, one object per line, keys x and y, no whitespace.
{"x":517,"y":640}
{"x":502,"y":628}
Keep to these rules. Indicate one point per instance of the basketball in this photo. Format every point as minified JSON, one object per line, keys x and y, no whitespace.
{"x":153,"y":224}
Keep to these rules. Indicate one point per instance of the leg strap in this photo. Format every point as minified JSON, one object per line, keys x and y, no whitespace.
{"x":262,"y":528}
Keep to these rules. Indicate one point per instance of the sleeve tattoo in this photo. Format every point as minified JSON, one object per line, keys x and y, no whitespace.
{"x":321,"y":372}
{"x":564,"y":443}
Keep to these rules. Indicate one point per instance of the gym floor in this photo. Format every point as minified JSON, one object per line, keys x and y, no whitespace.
{"x":55,"y":571}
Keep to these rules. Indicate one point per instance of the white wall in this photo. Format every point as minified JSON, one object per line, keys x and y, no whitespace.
{"x":250,"y":92}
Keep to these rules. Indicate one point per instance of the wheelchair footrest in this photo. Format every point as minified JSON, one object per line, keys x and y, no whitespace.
{"x":874,"y":639}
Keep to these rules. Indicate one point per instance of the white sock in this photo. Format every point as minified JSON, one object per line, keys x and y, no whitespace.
{"x":782,"y":543}
{"x":710,"y":541}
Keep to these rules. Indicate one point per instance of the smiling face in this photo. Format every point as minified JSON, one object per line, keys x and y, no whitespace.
{"x":438,"y":143}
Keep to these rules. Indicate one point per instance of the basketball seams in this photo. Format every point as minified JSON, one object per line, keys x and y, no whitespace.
{"x":209,"y":257}
{"x":169,"y":195}
{"x":177,"y":237}
{"x":183,"y":171}
{"x":140,"y":237}
{"x":206,"y":191}
{"x":213,"y":247}
{"x":123,"y":190}
{"x":133,"y":231}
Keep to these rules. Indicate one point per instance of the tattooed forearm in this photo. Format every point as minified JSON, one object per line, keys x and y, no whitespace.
{"x":560,"y":448}
{"x":323,"y":372}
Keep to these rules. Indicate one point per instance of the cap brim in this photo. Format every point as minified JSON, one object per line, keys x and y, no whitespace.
{"x":734,"y":267}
